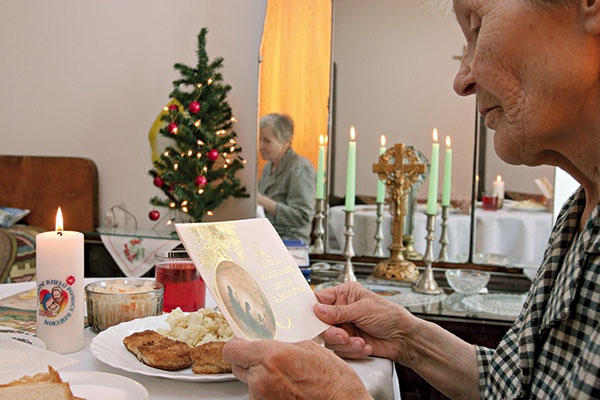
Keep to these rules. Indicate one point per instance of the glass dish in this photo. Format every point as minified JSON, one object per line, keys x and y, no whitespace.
{"x":112,"y":301}
{"x":467,"y":280}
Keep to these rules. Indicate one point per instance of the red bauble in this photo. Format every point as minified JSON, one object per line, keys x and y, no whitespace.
{"x":213,"y":155}
{"x":194,"y":107}
{"x":201,"y":181}
{"x":172,"y":127}
{"x":158,"y":181}
{"x":173,"y":107}
{"x":154,"y":215}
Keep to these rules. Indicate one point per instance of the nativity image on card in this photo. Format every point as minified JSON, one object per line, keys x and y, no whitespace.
{"x":253,"y":278}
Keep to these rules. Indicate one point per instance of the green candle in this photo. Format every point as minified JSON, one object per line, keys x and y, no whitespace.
{"x":351,"y":172}
{"x":321,"y":169}
{"x":433,"y":175}
{"x":447,"y":188}
{"x":381,"y":183}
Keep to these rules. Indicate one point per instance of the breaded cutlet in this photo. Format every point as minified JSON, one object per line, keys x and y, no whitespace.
{"x":134,"y":341}
{"x":168,"y":355}
{"x":208,"y":359}
{"x":158,"y":351}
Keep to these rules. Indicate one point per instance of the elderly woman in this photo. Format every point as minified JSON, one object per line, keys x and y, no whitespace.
{"x":535,"y":67}
{"x":286,"y":189}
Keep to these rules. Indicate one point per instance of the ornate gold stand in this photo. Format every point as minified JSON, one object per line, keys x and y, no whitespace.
{"x":399,"y":176}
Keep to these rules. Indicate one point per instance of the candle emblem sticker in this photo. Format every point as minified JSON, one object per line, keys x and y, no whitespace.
{"x":59,"y":276}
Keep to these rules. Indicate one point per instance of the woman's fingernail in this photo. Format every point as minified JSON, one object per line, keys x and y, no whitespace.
{"x":322,"y":309}
{"x":356,"y":345}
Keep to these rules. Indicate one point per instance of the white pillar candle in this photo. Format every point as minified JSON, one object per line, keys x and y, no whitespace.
{"x":498,"y":187}
{"x":498,"y":190}
{"x":60,"y":289}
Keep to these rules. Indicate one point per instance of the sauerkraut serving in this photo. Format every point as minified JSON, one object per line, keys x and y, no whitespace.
{"x":110,"y":302}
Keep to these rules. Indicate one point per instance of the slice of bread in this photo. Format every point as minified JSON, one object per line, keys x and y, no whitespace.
{"x":45,"y":385}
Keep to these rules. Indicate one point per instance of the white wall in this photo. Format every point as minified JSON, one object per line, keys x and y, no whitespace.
{"x":88,"y":78}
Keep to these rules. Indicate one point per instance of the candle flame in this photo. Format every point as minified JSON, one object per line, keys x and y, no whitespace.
{"x":321,"y":140}
{"x":435,"y":135}
{"x":382,"y":140}
{"x":499,"y":178}
{"x":448,"y":142}
{"x":59,"y":220}
{"x":352,"y":134}
{"x":326,"y":139}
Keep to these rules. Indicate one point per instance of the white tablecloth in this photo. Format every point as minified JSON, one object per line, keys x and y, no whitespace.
{"x":520,"y":235}
{"x":378,"y":374}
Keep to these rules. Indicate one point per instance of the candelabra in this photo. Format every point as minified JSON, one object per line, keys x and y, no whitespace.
{"x":443,"y":256}
{"x":378,"y":252}
{"x":348,"y":272}
{"x":426,"y":283}
{"x":318,"y":246}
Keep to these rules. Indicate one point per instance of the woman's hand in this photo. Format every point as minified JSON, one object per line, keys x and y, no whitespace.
{"x":365,"y":324}
{"x":304,"y":370}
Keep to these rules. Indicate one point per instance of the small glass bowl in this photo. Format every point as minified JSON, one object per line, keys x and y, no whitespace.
{"x":467,"y":281}
{"x":112,"y":301}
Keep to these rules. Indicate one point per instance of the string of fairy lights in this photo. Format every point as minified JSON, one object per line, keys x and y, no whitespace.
{"x":229,"y":153}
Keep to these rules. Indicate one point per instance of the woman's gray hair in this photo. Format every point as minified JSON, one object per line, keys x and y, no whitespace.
{"x":281,"y":124}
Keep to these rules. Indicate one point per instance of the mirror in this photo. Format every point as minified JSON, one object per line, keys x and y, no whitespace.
{"x":394,"y":77}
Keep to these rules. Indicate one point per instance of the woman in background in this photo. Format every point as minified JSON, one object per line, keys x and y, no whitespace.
{"x":286,"y":189}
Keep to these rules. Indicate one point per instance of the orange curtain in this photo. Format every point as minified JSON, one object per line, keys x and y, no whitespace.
{"x":295,"y":69}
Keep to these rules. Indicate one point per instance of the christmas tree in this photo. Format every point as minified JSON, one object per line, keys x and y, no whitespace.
{"x":197,"y":170}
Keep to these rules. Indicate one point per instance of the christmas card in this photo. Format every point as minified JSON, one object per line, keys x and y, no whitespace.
{"x":253,"y":278}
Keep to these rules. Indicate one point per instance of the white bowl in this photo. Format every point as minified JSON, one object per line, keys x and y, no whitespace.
{"x":467,"y":280}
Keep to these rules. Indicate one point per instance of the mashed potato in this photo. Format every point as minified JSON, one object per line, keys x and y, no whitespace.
{"x":203,"y":326}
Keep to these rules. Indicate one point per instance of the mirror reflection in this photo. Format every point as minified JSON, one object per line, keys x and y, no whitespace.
{"x":394,"y":78}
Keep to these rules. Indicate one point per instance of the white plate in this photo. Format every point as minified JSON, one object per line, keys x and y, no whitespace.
{"x":108,"y":347}
{"x":23,"y":338}
{"x":525,"y":205}
{"x":93,"y":385}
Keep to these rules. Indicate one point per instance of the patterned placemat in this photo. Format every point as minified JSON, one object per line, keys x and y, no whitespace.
{"x":18,"y":311}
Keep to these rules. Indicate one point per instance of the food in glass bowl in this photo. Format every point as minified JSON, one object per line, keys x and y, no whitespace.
{"x":112,"y":301}
{"x":467,"y":281}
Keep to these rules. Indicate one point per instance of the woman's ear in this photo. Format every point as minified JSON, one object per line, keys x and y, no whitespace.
{"x":590,"y":9}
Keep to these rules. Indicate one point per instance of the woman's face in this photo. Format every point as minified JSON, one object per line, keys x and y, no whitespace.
{"x":530,"y":66}
{"x":270,"y":148}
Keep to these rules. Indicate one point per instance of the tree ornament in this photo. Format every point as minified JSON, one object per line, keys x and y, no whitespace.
{"x":154,"y":215}
{"x":158,"y":181}
{"x":172,"y":127}
{"x":201,"y":181}
{"x":173,"y":107}
{"x":194,"y":107}
{"x":213,"y":154}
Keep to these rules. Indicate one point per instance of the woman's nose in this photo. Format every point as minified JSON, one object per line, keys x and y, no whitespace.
{"x":464,"y":82}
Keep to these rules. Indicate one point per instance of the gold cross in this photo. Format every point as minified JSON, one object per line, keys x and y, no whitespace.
{"x":399,"y":176}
